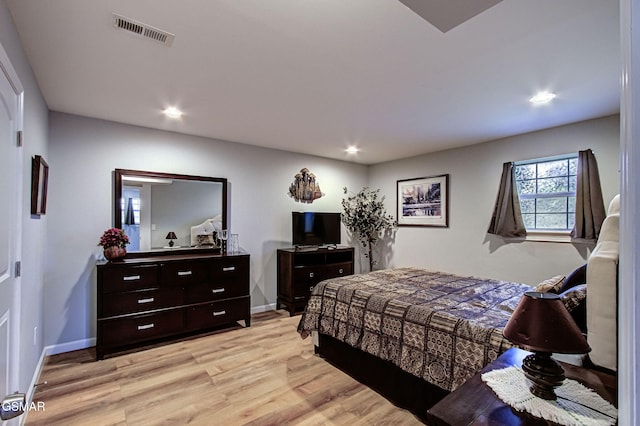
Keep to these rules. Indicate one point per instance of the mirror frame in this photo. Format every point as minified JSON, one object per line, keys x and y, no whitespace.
{"x":117,"y":190}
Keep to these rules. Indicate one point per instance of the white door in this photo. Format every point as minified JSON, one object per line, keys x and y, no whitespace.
{"x":10,"y":169}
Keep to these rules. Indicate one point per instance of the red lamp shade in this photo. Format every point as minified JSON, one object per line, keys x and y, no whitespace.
{"x":542,"y":323}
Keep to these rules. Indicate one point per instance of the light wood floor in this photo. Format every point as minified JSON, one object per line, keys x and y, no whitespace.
{"x":262,"y":375}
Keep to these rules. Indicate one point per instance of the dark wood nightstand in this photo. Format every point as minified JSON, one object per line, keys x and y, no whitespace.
{"x":474,"y":403}
{"x":300,"y":270}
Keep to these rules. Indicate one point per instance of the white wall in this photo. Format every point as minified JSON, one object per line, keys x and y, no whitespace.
{"x":34,"y":229}
{"x":465,"y":247}
{"x":83,"y":154}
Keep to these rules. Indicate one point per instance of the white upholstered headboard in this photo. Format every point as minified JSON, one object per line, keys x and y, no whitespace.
{"x":205,"y":228}
{"x":602,"y":285}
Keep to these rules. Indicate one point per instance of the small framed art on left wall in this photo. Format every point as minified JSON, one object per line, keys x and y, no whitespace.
{"x":39,"y":182}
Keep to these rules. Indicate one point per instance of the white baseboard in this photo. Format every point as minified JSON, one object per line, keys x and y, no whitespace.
{"x":83,"y":344}
{"x":32,"y":386}
{"x":69,"y":346}
{"x":86,"y":343}
{"x":263,"y":308}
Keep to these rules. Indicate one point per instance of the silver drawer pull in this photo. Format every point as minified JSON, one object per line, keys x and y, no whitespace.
{"x":217,"y":314}
{"x":310,"y":274}
{"x":340,"y":271}
{"x":131,"y":278}
{"x":184,"y":273}
{"x":217,"y":290}
{"x":149,"y":300}
{"x":229,"y":269}
{"x":145,"y":327}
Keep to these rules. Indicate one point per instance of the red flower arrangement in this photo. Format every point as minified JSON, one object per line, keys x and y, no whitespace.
{"x":114,"y":237}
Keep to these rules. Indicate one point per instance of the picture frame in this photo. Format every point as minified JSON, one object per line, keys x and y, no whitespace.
{"x":423,"y":201}
{"x":39,"y":183}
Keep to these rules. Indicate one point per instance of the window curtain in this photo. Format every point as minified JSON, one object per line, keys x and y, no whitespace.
{"x":129,"y":218}
{"x":590,"y":212}
{"x":507,"y":217}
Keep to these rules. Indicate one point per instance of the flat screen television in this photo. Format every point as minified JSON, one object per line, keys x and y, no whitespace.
{"x":315,"y":229}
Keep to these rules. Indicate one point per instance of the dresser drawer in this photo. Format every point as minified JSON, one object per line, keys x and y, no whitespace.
{"x":230,"y":269}
{"x":308,"y":274}
{"x":304,"y":279}
{"x":129,"y":278}
{"x":139,"y":301}
{"x":217,"y":313}
{"x":206,"y":292}
{"x":184,"y":272}
{"x":339,"y":270}
{"x":122,"y":331}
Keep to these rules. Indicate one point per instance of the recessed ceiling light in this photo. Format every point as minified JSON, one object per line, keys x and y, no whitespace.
{"x":172,"y":112}
{"x":352,"y":150}
{"x":542,"y":98}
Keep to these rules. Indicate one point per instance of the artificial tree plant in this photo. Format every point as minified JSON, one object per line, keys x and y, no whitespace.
{"x":365,"y":217}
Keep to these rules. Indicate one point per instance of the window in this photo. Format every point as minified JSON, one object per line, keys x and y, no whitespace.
{"x":134,"y":194}
{"x":547,"y":192}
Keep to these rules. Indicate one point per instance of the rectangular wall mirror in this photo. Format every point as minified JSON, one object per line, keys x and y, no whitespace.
{"x":151,"y":205}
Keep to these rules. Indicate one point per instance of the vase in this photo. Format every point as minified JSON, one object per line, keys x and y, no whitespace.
{"x":115,"y":253}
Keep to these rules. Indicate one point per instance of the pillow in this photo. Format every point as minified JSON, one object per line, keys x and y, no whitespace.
{"x":574,"y":297}
{"x":551,"y":285}
{"x":575,"y":300}
{"x":578,"y":276}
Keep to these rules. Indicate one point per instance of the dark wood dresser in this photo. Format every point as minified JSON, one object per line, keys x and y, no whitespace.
{"x":300,"y":270}
{"x":143,"y":299}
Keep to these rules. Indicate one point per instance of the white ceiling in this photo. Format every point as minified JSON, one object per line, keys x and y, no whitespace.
{"x":315,"y":76}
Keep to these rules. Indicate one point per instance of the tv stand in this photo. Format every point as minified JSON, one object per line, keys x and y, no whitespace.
{"x":300,"y":270}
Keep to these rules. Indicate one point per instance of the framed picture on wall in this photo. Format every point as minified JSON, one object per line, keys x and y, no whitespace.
{"x":423,"y":201}
{"x":39,"y":182}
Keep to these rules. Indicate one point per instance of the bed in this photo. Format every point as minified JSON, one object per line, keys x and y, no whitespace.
{"x":415,"y":335}
{"x":411,"y":334}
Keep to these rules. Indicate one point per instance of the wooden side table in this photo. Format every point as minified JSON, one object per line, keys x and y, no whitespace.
{"x":474,"y":403}
{"x":300,"y":270}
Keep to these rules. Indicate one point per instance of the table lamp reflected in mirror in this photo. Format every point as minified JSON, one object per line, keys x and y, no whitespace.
{"x":541,"y":324}
{"x":171,"y":236}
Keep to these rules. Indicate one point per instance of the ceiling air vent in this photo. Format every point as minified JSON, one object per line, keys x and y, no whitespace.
{"x":143,"y":30}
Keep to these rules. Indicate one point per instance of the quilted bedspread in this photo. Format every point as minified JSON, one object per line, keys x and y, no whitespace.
{"x":437,"y":326}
